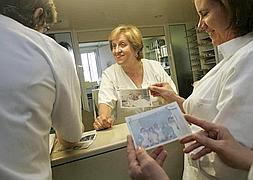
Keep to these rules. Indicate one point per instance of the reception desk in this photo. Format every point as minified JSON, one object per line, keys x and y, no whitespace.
{"x":106,"y":158}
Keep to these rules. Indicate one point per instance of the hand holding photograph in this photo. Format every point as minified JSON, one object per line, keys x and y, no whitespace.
{"x":158,"y":126}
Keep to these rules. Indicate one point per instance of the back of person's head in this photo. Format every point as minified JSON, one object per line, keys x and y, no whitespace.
{"x":23,"y":11}
{"x":241,"y":14}
{"x":133,"y":35}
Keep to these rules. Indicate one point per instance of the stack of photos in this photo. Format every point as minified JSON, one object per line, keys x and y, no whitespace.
{"x":86,"y":140}
{"x":134,"y":98}
{"x":158,"y":126}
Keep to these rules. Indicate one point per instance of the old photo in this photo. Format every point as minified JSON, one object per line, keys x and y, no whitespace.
{"x":134,"y":98}
{"x":158,"y":126}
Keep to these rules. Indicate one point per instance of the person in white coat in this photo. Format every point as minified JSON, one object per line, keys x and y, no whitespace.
{"x":39,"y":89}
{"x":130,"y":71}
{"x":223,"y":95}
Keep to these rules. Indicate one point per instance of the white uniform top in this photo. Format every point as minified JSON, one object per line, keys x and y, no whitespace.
{"x":224,"y":96}
{"x":39,"y":88}
{"x":114,"y":78}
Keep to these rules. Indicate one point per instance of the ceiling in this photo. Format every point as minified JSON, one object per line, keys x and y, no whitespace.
{"x":105,"y":14}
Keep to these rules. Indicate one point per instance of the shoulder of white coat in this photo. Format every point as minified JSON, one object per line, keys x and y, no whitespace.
{"x":111,"y":69}
{"x":243,"y":58}
{"x":111,"y":73}
{"x":151,"y":63}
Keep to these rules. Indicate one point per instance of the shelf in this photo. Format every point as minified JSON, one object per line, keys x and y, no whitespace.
{"x":207,"y":49}
{"x":156,"y":49}
{"x":195,"y":63}
{"x":150,"y":51}
{"x":202,"y":52}
{"x":166,"y":68}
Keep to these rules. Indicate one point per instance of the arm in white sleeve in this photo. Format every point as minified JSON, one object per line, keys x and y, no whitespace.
{"x":107,"y":95}
{"x":236,"y":101}
{"x":66,"y":116}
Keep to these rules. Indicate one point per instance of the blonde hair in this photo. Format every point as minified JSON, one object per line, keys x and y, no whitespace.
{"x":23,"y":12}
{"x":133,"y":35}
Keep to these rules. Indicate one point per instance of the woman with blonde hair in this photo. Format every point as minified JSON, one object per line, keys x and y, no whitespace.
{"x":131,"y":71}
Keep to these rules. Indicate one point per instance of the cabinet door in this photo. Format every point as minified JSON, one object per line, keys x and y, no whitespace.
{"x":112,"y":165}
{"x":181,"y":60}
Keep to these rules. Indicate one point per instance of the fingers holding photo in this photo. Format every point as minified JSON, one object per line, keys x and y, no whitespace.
{"x":159,"y":155}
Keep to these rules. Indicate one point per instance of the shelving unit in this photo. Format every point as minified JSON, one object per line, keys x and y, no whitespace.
{"x":206,"y":52}
{"x":193,"y":45}
{"x":202,"y":53}
{"x":156,"y":49}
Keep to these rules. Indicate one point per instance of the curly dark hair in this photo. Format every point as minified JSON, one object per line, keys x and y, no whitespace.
{"x":23,"y":12}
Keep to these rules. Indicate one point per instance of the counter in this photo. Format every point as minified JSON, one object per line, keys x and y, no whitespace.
{"x":106,"y":158}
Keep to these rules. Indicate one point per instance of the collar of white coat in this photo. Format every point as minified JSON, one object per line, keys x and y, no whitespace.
{"x":228,"y":48}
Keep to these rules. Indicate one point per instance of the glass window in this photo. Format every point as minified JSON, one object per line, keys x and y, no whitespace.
{"x":89,"y":66}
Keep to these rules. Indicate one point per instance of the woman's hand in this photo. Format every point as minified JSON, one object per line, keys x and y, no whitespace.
{"x":219,"y":140}
{"x":142,"y":166}
{"x":165,"y":91}
{"x":102,"y":122}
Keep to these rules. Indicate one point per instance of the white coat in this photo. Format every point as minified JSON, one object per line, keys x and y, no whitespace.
{"x":114,"y":78}
{"x":224,"y":96}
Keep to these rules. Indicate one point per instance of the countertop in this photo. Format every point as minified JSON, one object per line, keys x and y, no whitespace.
{"x":106,"y":140}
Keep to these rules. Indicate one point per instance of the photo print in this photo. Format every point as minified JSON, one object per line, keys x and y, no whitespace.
{"x":134,"y":98}
{"x":158,"y":126}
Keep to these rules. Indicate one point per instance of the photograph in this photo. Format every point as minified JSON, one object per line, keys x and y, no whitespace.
{"x":134,"y":98}
{"x":158,"y":126}
{"x":86,"y":139}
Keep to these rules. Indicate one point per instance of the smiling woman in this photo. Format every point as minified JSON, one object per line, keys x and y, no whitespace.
{"x":131,"y":71}
{"x":127,"y":37}
{"x":221,"y":96}
{"x":214,"y":21}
